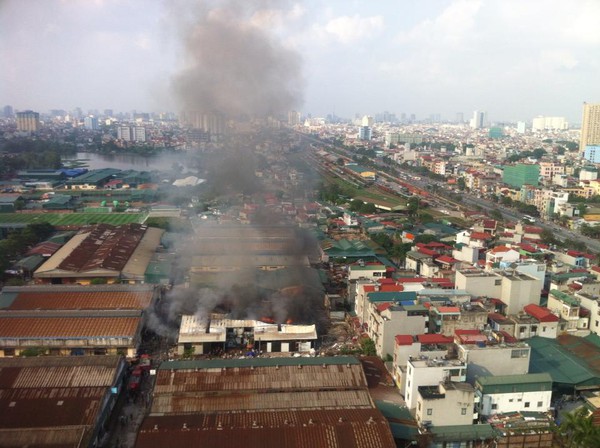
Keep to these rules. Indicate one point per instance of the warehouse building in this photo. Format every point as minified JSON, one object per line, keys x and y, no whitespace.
{"x":115,"y":254}
{"x":284,"y":402}
{"x":73,"y":320}
{"x":57,"y":401}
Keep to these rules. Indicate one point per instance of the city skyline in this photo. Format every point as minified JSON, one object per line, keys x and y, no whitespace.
{"x":516,"y":61}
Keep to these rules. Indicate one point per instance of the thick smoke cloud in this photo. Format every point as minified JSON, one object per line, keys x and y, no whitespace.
{"x":235,"y":67}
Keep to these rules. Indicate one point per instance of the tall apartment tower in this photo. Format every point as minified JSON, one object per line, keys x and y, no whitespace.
{"x":28,"y":121}
{"x":478,"y":120}
{"x":590,"y":126}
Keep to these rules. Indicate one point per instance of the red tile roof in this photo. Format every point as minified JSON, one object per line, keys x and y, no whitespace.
{"x":391,"y":288}
{"x":448,"y":309}
{"x":497,"y":317}
{"x":404,"y":339}
{"x":434,"y":339}
{"x":480,"y":236}
{"x":541,"y":313}
{"x":384,"y":306}
{"x":533,"y":229}
{"x":446,"y":259}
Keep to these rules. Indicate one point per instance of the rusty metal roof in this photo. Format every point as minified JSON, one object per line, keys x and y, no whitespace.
{"x":59,"y":437}
{"x":244,"y":401}
{"x":346,"y":428}
{"x":308,"y":377}
{"x":89,"y":300}
{"x":25,"y":408}
{"x":71,"y":327}
{"x":53,"y":401}
{"x":54,"y":371}
{"x":102,"y":247}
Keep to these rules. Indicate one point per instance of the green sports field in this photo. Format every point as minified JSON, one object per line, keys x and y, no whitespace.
{"x":70,"y":219}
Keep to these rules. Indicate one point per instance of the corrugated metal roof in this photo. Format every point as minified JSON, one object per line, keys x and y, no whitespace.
{"x":258,"y":362}
{"x":92,"y":300}
{"x":238,"y":402}
{"x":346,"y":428}
{"x":63,"y":436}
{"x":260,"y":379}
{"x":49,"y":406}
{"x":53,"y":401}
{"x":75,"y":328}
{"x":103,"y":247}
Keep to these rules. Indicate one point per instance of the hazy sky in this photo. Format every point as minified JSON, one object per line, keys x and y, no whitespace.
{"x":513,"y":58}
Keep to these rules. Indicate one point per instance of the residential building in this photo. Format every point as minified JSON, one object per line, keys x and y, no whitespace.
{"x":446,"y":404}
{"x":28,"y":121}
{"x":568,"y":308}
{"x":369,"y":271}
{"x":478,"y":121}
{"x":519,"y":290}
{"x":479,"y":283}
{"x":541,"y":123}
{"x":371,"y":294}
{"x":446,"y":319}
{"x":91,"y":123}
{"x":433,"y":346}
{"x":590,"y":126}
{"x":430,"y":372}
{"x":489,"y":353}
{"x":388,"y":319}
{"x":521,"y":174}
{"x":513,"y":393}
{"x":549,"y":323}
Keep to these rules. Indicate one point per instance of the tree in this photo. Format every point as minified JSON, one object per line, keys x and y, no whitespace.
{"x":461,"y":184}
{"x":577,"y":430}
{"x":496,"y":214}
{"x":368,"y":347}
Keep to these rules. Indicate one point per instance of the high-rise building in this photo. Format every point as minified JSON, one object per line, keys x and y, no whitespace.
{"x":28,"y":121}
{"x":364,"y":133}
{"x":521,"y":126}
{"x":91,"y":123}
{"x":293,"y":118}
{"x":542,"y":123}
{"x":367,"y":120}
{"x":590,"y":126}
{"x":478,"y":120}
{"x":8,"y":111}
{"x":124,"y":133}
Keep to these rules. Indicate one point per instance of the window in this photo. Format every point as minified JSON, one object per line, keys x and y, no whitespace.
{"x":463,"y":411}
{"x":497,"y":282}
{"x":429,"y":411}
{"x":519,"y":353}
{"x":540,"y":404}
{"x":494,"y":406}
{"x":510,"y":400}
{"x":419,"y":405}
{"x":526,"y":404}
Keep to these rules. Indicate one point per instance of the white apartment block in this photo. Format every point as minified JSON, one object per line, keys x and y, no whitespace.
{"x":513,"y":393}
{"x":447,"y":404}
{"x":430,"y":372}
